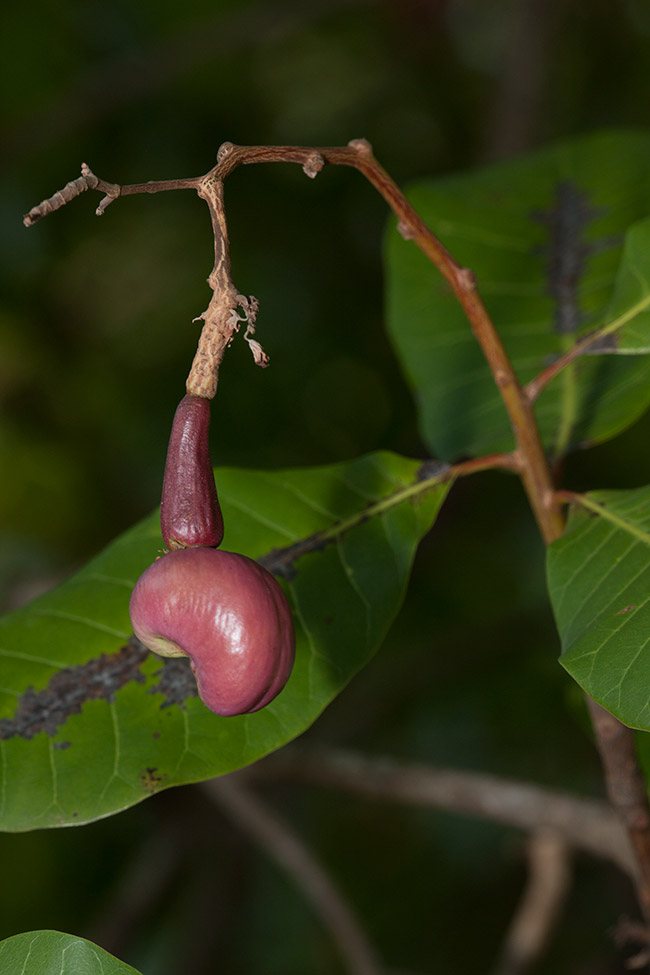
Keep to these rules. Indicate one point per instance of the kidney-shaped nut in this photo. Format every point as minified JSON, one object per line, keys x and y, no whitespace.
{"x":189,"y":512}
{"x":228,"y":615}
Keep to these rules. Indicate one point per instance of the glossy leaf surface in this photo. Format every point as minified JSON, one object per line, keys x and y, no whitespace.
{"x":599,"y":581}
{"x":91,"y":723}
{"x":544,"y":236}
{"x":627,"y":326}
{"x":54,"y":953}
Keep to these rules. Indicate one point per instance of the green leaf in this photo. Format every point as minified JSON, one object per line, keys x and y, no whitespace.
{"x":599,"y":582}
{"x":91,"y":723}
{"x":628,"y":315}
{"x":544,"y":236}
{"x":54,"y":953}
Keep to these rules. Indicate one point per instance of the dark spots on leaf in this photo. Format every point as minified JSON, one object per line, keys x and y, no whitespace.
{"x":68,"y":690}
{"x":281,"y":561}
{"x":603,"y":345}
{"x":176,"y":681}
{"x":567,"y":251}
{"x":431,"y":470}
{"x":622,"y":612}
{"x":151,"y":780}
{"x":62,"y":745}
{"x":156,"y":734}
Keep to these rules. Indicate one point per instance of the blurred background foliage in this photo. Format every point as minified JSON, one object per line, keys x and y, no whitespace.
{"x":96,"y":338}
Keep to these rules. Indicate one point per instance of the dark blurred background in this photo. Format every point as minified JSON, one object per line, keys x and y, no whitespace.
{"x":96,"y":338}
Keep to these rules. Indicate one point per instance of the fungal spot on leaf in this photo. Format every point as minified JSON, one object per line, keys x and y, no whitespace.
{"x":176,"y":682}
{"x":567,"y":251}
{"x":68,"y":690}
{"x":151,"y":780}
{"x":628,"y":609}
{"x":281,"y":562}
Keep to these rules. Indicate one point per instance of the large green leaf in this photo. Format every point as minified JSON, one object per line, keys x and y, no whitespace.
{"x":544,"y":236}
{"x":599,"y":581}
{"x":54,"y":953}
{"x":91,"y":723}
{"x":627,"y":320}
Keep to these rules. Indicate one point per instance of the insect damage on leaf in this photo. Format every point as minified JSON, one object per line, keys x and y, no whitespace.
{"x":567,"y":251}
{"x":67,"y":691}
{"x":176,"y":683}
{"x":282,"y":561}
{"x":152,"y":781}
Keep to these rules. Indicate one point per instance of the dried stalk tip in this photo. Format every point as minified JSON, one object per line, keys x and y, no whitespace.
{"x":87,"y":181}
{"x":259,"y":355}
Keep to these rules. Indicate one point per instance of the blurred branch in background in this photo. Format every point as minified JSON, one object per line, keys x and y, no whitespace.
{"x":145,"y":884}
{"x":250,"y":814}
{"x":542,"y":901}
{"x":586,"y":824}
{"x":557,"y":823}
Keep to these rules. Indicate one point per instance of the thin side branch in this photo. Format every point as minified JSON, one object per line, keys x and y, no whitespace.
{"x":537,"y":385}
{"x":586,"y":824}
{"x":534,"y":470}
{"x":626,"y":790}
{"x":249,"y":813}
{"x":537,"y":914}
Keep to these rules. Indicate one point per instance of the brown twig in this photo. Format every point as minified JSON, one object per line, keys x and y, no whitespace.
{"x":586,"y":824}
{"x":537,"y":914}
{"x":249,"y":813}
{"x":533,"y":389}
{"x":626,"y":790}
{"x":221,"y":318}
{"x":534,"y":470}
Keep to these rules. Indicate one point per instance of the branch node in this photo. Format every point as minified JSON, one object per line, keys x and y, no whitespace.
{"x":106,"y":201}
{"x":406,"y":230}
{"x":224,"y":150}
{"x":313,"y":165}
{"x":362,"y":146}
{"x":466,"y":279}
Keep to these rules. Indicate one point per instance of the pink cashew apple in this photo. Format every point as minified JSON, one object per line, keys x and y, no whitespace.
{"x":228,"y":615}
